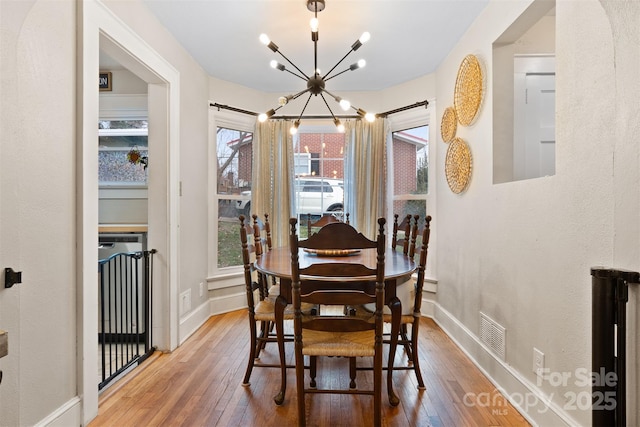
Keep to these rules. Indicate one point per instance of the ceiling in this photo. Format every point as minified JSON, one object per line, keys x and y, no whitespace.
{"x":409,"y":38}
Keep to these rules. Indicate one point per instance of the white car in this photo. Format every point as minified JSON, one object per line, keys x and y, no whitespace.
{"x":313,"y":195}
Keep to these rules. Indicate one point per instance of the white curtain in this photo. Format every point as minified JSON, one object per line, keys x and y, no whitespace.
{"x":273,"y":177}
{"x":365,"y":174}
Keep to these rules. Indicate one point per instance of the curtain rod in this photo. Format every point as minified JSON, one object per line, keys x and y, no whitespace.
{"x":424,"y":103}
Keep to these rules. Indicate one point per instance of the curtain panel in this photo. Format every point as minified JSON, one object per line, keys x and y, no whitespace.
{"x":273,"y":177}
{"x":365,"y":174}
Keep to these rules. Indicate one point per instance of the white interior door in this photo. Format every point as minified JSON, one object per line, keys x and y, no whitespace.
{"x":534,"y":117}
{"x":540,"y":138}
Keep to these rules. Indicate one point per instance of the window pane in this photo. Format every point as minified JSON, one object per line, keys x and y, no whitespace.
{"x":319,"y":166}
{"x":234,"y":168}
{"x":234,"y":152}
{"x":122,"y":152}
{"x":411,"y":161}
{"x":229,"y":249}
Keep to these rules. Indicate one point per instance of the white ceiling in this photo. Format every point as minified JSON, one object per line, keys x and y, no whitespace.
{"x":409,"y":38}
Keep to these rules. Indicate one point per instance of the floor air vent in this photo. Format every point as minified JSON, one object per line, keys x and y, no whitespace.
{"x":493,"y":335}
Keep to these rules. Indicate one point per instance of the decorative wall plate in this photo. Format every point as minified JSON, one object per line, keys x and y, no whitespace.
{"x":457,"y":165}
{"x":468,"y":91}
{"x":449,"y":124}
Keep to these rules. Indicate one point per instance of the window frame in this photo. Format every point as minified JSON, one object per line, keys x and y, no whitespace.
{"x":407,"y":120}
{"x":222,"y":277}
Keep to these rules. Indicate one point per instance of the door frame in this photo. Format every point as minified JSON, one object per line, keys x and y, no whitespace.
{"x":99,"y":28}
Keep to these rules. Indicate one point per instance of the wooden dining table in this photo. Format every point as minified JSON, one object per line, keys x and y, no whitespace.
{"x":398,"y":268}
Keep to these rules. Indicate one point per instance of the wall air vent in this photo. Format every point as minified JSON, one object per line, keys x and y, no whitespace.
{"x":493,"y":335}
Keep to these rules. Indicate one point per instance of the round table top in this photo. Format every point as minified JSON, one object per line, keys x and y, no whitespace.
{"x":277,"y":261}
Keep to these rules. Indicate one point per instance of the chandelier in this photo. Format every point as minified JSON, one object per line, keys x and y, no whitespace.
{"x":316,"y":82}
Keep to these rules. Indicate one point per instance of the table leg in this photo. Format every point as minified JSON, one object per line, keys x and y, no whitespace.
{"x":280,"y":305}
{"x":396,"y":311}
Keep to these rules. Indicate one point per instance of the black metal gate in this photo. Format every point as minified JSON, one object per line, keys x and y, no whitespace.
{"x":124,"y":323}
{"x":609,"y":330}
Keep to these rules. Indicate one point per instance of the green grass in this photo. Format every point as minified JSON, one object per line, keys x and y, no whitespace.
{"x":229,"y":247}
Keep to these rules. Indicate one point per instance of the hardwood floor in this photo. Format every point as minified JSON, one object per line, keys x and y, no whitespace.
{"x":199,"y":384}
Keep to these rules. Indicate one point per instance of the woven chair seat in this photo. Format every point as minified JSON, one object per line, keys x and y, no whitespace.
{"x":405,"y":318}
{"x":345,"y":344}
{"x":265,"y":309}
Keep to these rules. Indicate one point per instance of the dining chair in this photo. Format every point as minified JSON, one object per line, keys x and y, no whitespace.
{"x":262,"y":236}
{"x":410,"y":295}
{"x":322,"y":221}
{"x":261,"y":309}
{"x":402,"y":242}
{"x":337,"y":283}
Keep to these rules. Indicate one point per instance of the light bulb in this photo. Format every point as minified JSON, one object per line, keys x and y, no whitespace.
{"x":362,"y":63}
{"x":314,"y":24}
{"x":364,"y":37}
{"x":370,"y":117}
{"x":344,"y":104}
{"x":294,"y":129}
{"x":273,"y":63}
{"x":264,"y":39}
{"x":339,"y":125}
{"x":264,"y":116}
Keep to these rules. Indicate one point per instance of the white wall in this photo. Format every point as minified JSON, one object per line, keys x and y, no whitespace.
{"x":37,"y":208}
{"x":521,"y":252}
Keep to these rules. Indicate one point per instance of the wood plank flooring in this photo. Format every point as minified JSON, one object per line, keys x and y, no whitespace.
{"x":199,"y":384}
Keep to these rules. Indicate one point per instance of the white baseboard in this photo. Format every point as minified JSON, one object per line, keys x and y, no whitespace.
{"x":192,"y":321}
{"x":227,"y":303}
{"x":521,"y":393}
{"x":67,"y":415}
{"x":218,"y":305}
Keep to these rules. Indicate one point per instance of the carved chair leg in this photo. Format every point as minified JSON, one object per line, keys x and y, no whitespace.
{"x":416,"y":361}
{"x":352,"y":372}
{"x":252,"y":352}
{"x":313,"y":360}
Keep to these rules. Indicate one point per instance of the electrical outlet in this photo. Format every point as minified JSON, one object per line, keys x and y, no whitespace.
{"x":185,"y":302}
{"x":538,"y":362}
{"x":201,"y":288}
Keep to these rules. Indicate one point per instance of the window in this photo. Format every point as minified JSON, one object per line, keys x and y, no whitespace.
{"x":410,"y":183}
{"x":319,"y":166}
{"x":234,"y":152}
{"x":123,"y":152}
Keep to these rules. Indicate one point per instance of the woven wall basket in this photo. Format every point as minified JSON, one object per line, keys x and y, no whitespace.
{"x":457,"y":165}
{"x":468,"y":90}
{"x":449,"y":124}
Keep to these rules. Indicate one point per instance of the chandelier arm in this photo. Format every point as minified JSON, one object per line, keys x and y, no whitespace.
{"x":327,"y":104}
{"x":295,"y":74}
{"x":336,"y":75}
{"x":301,"y":93}
{"x":305,"y":107}
{"x":294,"y":65}
{"x":325,"y":78}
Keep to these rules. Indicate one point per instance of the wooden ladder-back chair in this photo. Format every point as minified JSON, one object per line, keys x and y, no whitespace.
{"x":322,"y":221}
{"x":411,"y":314}
{"x":261,"y":310}
{"x":402,"y":242}
{"x":338,"y":283}
{"x":262,"y":236}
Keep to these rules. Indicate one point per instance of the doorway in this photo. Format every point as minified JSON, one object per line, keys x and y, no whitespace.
{"x":103,"y":31}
